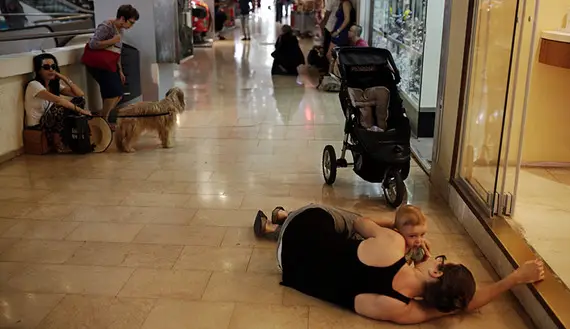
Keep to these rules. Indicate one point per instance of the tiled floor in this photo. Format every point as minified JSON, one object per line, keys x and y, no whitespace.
{"x":542,"y":213}
{"x":162,"y":238}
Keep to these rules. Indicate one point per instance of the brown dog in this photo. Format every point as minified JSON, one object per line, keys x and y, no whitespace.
{"x":129,"y":129}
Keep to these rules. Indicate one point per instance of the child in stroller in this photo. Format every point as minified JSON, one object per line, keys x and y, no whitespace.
{"x":377,"y":131}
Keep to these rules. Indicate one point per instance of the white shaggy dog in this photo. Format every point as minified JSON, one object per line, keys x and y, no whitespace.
{"x":147,"y":116}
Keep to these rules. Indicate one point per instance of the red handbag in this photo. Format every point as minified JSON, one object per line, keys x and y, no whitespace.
{"x":104,"y":59}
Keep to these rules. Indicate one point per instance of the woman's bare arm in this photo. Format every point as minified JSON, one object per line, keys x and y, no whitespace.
{"x":46,"y":95}
{"x":530,"y":272}
{"x":367,"y":228}
{"x":385,"y":308}
{"x":346,"y":8}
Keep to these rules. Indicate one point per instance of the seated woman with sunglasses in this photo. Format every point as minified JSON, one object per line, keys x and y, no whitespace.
{"x":45,"y":107}
{"x":371,"y":277}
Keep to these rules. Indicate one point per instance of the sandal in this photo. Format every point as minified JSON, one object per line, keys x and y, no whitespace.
{"x":259,"y":224}
{"x":274,"y":215}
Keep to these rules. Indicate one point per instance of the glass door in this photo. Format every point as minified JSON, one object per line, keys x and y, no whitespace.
{"x":487,"y":97}
{"x":511,"y":153}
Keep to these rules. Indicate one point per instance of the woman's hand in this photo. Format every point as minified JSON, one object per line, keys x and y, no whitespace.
{"x":335,"y":34}
{"x":115,"y":39}
{"x":530,"y":272}
{"x":85,"y":112}
{"x":123,"y":77}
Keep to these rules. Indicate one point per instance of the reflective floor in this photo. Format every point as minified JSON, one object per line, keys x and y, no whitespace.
{"x":543,"y":215}
{"x":162,"y":238}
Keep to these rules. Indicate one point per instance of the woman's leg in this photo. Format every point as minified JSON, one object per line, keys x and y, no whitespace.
{"x":53,"y":122}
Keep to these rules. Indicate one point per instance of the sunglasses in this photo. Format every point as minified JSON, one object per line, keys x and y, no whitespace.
{"x":48,"y":67}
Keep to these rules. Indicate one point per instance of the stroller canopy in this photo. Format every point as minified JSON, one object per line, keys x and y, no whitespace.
{"x":365,"y":65}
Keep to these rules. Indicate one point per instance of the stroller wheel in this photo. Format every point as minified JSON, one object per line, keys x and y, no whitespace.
{"x":329,"y":164}
{"x":394,"y":188}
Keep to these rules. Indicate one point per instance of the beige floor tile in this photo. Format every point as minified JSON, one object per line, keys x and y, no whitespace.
{"x":183,"y":314}
{"x":181,"y":235}
{"x":70,"y":279}
{"x":187,"y":176}
{"x":292,"y":297}
{"x":9,"y":209}
{"x":10,"y":269}
{"x":92,"y":312}
{"x":255,"y":316}
{"x":263,"y":260}
{"x":105,"y":232}
{"x":49,"y":212}
{"x":166,"y":283}
{"x":40,"y":251}
{"x":22,"y":195}
{"x":6,"y":244}
{"x":244,"y":237}
{"x":336,"y":318}
{"x":29,"y":229}
{"x":22,"y":310}
{"x":156,"y":200}
{"x":505,"y":320}
{"x":209,"y":201}
{"x":254,"y":202}
{"x":98,"y":198}
{"x":217,"y":217}
{"x":126,"y":254}
{"x":6,"y":224}
{"x":115,"y":214}
{"x":244,"y":287}
{"x":163,"y":215}
{"x":221,"y":259}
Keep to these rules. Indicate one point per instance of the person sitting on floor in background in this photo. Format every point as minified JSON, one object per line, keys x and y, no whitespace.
{"x":45,"y":107}
{"x":355,"y":36}
{"x":287,"y":55}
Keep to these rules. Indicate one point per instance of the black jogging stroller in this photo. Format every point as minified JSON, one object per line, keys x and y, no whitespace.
{"x":377,"y":131}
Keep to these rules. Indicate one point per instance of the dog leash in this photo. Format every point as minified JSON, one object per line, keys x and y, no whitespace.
{"x":134,"y":116}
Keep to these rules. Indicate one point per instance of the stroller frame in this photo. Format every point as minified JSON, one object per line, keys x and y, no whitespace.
{"x":394,"y":164}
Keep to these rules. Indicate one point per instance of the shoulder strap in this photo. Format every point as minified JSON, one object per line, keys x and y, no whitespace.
{"x":397,"y":266}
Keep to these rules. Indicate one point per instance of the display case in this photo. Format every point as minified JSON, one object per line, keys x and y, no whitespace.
{"x":412,"y":31}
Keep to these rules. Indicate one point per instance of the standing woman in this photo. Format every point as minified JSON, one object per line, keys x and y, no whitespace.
{"x":45,"y":107}
{"x":102,"y":57}
{"x":345,"y":18}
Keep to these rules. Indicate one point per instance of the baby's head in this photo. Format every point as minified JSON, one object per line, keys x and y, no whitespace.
{"x":411,"y":223}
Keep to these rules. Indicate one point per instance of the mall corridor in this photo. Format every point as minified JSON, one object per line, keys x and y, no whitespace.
{"x":162,"y":238}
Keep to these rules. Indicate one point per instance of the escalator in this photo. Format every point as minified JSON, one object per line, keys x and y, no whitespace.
{"x":41,"y":17}
{"x":61,"y":6}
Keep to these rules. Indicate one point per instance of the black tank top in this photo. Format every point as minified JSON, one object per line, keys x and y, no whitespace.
{"x":363,"y":279}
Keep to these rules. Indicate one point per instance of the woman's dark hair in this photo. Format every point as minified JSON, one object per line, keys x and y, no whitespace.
{"x":286,"y":29}
{"x":53,"y":85}
{"x":452,"y":291}
{"x":128,"y":12}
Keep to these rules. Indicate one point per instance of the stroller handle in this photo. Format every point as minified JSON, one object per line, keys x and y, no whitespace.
{"x":395,"y":70}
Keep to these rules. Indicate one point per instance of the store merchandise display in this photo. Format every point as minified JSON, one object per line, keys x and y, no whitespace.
{"x":304,"y":18}
{"x":399,"y":26}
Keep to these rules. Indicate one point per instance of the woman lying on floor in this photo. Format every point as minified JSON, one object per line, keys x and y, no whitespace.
{"x":288,"y":55}
{"x":369,"y":276}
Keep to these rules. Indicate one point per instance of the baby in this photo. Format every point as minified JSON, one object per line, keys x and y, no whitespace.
{"x":411,"y":223}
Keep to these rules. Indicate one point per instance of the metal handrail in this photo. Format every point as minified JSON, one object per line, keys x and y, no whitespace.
{"x":43,"y":14}
{"x":46,"y":35}
{"x":65,"y":18}
{"x":78,"y":8}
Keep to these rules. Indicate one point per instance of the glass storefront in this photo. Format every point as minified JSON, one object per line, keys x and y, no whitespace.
{"x":412,"y":31}
{"x":512,"y":151}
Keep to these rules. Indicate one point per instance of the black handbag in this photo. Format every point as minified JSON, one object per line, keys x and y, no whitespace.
{"x":77,"y":134}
